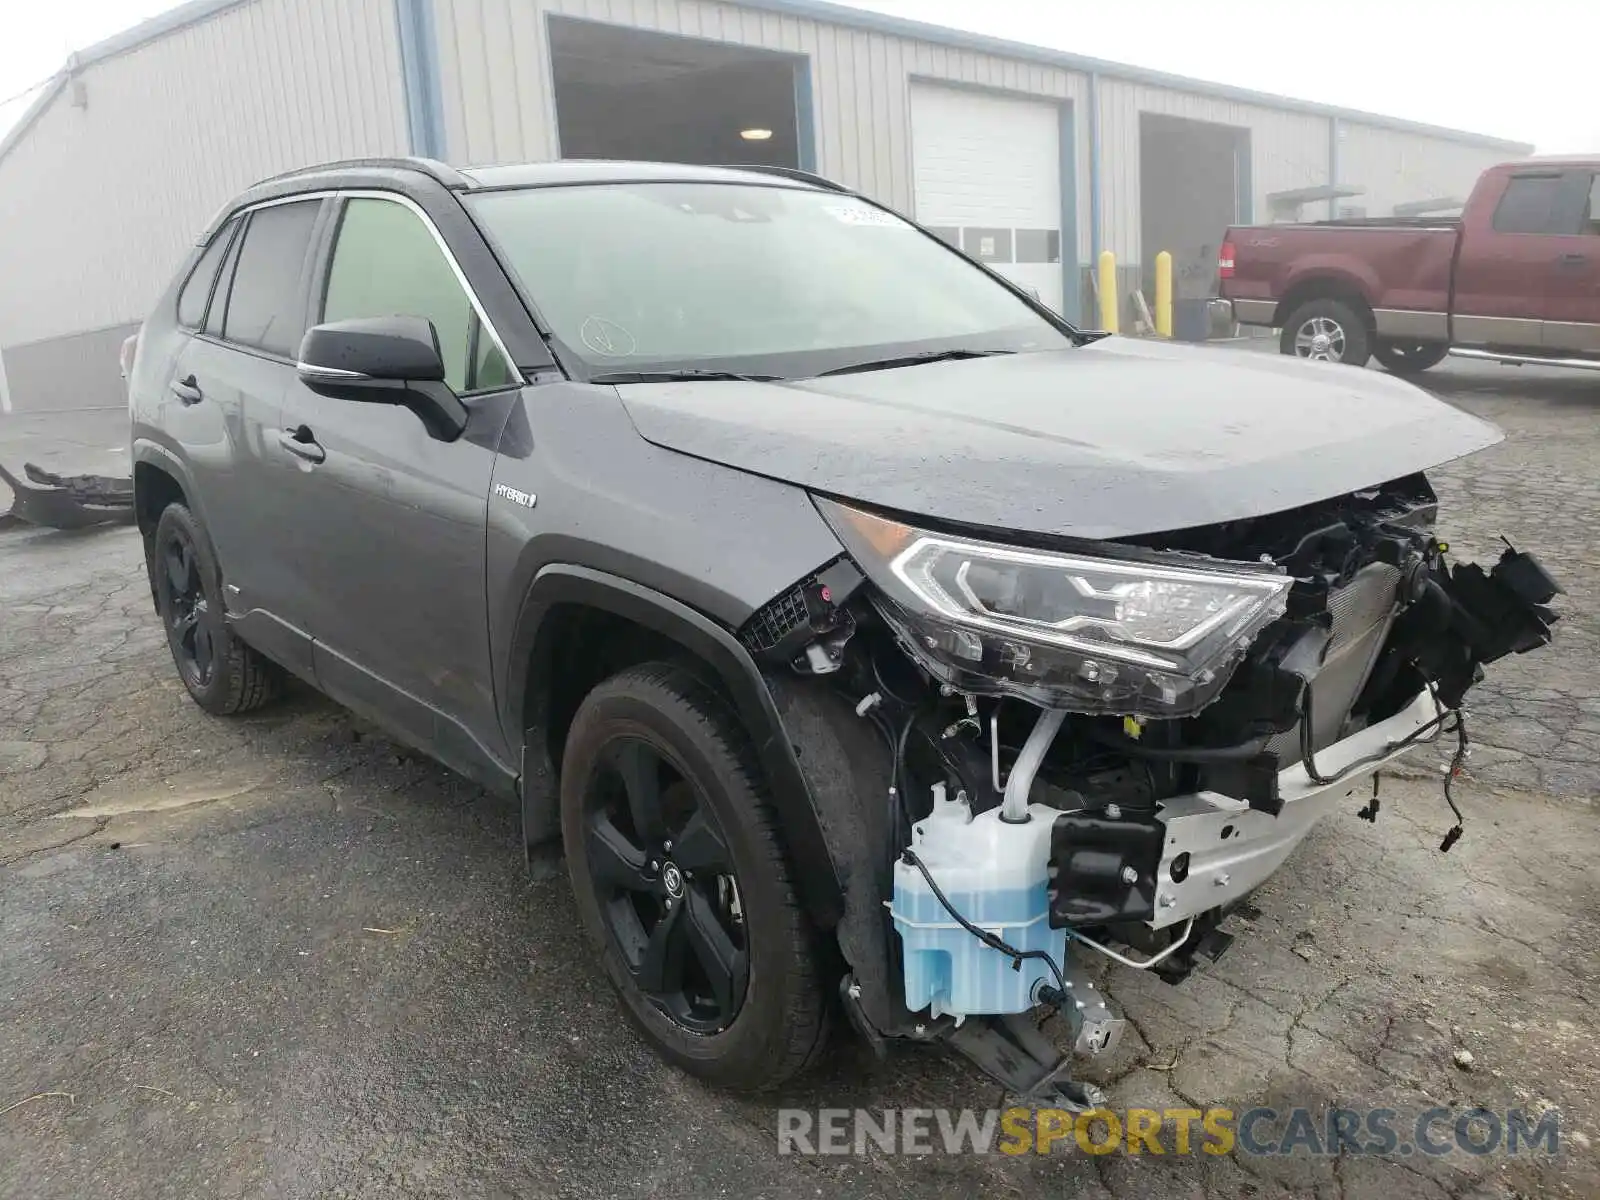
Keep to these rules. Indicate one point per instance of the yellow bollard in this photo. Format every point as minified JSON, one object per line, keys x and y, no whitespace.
{"x":1164,"y":295}
{"x":1108,"y":291}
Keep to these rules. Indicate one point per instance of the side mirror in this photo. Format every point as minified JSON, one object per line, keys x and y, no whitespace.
{"x":384,"y":360}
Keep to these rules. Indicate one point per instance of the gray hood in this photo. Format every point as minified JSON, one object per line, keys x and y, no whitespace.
{"x":1118,"y":438}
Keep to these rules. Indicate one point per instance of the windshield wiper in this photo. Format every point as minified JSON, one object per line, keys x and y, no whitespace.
{"x":678,"y":377}
{"x":912,"y":360}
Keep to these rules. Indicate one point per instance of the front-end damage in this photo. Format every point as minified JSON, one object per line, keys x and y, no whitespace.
{"x":1063,"y":747}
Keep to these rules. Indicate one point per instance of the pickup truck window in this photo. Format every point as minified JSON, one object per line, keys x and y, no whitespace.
{"x":1531,"y":204}
{"x":1591,"y":219}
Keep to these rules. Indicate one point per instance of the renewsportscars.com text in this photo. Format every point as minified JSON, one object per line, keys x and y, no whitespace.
{"x":1434,"y":1132}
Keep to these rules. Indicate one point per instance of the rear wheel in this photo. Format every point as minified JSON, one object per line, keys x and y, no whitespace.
{"x":680,"y":878}
{"x":1327,"y":331}
{"x":222,"y":674}
{"x":1409,"y":358}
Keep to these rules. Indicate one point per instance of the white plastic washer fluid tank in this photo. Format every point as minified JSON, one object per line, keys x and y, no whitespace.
{"x":994,"y":874}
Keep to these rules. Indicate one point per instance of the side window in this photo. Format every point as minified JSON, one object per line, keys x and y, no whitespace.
{"x":265,"y":308}
{"x":1591,"y":219}
{"x":1530,"y":205}
{"x":219,"y":297}
{"x":192,"y":299}
{"x":386,"y":263}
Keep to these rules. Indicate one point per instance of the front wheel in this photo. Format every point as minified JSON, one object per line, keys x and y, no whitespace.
{"x":1327,"y":331}
{"x":680,"y":878}
{"x":1410,"y":358}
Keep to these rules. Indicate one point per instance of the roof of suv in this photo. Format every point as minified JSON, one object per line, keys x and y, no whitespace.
{"x":536,"y":174}
{"x":406,"y":174}
{"x":597,"y":171}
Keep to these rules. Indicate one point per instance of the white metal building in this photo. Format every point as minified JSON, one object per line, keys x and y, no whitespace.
{"x":1032,"y":159}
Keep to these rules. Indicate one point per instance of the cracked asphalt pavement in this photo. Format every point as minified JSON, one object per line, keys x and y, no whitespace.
{"x":281,"y":956}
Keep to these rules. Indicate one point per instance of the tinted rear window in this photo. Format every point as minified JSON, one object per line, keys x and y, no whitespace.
{"x":266,"y":308}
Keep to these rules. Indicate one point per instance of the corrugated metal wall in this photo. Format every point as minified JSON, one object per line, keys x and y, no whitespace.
{"x":1396,"y":167}
{"x":1287,"y":150}
{"x":494,"y":71}
{"x":102,"y":200}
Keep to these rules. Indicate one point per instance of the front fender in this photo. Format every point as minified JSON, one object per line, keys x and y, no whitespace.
{"x":816,"y":872}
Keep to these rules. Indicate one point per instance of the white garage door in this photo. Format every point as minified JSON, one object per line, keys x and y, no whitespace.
{"x":987,"y":177}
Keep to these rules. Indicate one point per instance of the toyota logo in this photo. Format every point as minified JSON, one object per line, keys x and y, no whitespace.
{"x":672,"y":880}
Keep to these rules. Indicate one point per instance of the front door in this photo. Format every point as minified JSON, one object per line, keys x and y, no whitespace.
{"x":1572,"y":299}
{"x":1501,"y":272}
{"x":390,"y":522}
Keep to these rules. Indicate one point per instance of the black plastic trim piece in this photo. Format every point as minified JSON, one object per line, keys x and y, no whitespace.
{"x":816,"y":874}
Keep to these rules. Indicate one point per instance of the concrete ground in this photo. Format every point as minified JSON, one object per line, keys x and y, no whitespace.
{"x":279,"y":956}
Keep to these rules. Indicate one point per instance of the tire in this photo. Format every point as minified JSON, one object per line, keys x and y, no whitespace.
{"x":658,"y":723}
{"x":1409,"y":358}
{"x":222,"y":674}
{"x":1348,"y":340}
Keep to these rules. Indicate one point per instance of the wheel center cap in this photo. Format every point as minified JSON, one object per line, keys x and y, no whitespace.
{"x":672,"y":880}
{"x":1321,"y":342}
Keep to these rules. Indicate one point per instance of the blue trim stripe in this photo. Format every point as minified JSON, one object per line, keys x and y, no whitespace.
{"x":1094,"y":172}
{"x":1244,"y":164}
{"x":1071,"y":268}
{"x":805,"y":115}
{"x":419,"y":77}
{"x":1333,"y":165}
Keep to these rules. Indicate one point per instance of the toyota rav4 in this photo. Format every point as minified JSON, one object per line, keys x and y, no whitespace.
{"x":876,"y":641}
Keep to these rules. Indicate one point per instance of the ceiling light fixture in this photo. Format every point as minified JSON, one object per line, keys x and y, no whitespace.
{"x":755,"y":135}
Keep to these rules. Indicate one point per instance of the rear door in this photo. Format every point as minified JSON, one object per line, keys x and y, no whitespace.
{"x":390,"y":522}
{"x":1504,"y":270}
{"x":1572,"y":302}
{"x":225,"y":394}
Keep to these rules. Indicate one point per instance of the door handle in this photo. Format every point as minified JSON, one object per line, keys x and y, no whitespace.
{"x":187,"y":390}
{"x":302,"y":444}
{"x":1573,"y":260}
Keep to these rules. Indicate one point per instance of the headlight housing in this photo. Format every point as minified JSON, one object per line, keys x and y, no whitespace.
{"x":1155,"y":636}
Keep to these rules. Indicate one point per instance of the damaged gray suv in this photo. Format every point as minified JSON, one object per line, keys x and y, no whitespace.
{"x":879,"y":644}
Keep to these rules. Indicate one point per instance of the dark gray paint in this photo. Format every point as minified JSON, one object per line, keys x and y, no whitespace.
{"x":80,"y":370}
{"x":1112,"y":440}
{"x":723,"y":542}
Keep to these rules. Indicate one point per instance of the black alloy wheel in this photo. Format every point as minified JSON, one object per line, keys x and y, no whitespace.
{"x":669,"y":896}
{"x":682,"y":882}
{"x":185,"y":608}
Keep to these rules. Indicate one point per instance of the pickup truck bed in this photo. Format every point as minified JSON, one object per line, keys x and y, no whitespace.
{"x":1516,"y":278}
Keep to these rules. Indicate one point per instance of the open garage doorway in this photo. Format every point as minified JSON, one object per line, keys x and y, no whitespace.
{"x":1193,"y":183}
{"x":632,"y":94}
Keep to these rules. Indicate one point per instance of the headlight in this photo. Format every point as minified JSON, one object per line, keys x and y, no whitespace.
{"x":1154,"y":636}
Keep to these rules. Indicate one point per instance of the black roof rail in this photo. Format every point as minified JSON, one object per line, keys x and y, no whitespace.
{"x":442,"y":172}
{"x":790,"y":173}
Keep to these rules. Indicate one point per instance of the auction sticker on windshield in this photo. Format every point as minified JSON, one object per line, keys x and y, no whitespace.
{"x":864,"y":214}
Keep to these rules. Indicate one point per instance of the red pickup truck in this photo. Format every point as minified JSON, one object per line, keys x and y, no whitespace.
{"x":1515,"y":279}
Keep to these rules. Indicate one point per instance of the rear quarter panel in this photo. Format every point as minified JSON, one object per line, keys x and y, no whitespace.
{"x":1389,"y":267}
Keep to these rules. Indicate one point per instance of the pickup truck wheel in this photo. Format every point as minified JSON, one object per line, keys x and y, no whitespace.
{"x":222,"y":674}
{"x":680,"y":877}
{"x":1409,"y":358}
{"x":1327,"y":331}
